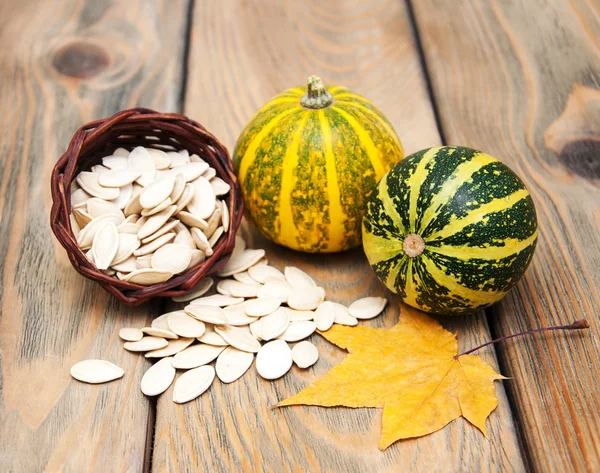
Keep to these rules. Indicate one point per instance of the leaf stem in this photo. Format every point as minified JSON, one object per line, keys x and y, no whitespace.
{"x":577,"y":325}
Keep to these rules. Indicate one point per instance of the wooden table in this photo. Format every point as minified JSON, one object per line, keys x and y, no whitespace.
{"x":519,"y":79}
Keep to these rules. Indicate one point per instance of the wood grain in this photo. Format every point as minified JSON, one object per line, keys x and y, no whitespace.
{"x":241,"y":55}
{"x":520,"y":81}
{"x":62,"y":64}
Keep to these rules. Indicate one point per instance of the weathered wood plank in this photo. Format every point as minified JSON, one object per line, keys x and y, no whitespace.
{"x":62,"y":64}
{"x":241,"y":55}
{"x":519,"y":79}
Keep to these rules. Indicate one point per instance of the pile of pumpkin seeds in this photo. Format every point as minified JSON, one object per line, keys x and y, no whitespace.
{"x":251,"y":315}
{"x":147,"y":215}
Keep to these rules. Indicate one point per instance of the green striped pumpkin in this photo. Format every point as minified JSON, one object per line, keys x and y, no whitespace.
{"x":308,"y":162}
{"x":450,"y":230}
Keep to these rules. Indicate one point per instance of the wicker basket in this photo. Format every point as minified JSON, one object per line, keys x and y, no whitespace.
{"x":127,"y":129}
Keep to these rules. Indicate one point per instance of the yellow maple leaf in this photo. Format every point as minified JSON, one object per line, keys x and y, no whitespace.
{"x":411,"y":371}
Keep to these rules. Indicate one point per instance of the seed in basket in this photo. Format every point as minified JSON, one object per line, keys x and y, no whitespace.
{"x":154,"y":244}
{"x":224,"y":216}
{"x":186,"y":326}
{"x":99,"y":169}
{"x":144,"y":262}
{"x":305,"y":354}
{"x":156,"y":192}
{"x":133,"y":206}
{"x":160,"y":332}
{"x":160,"y":207}
{"x":220,"y":187}
{"x":274,"y":359}
{"x":166,"y":228}
{"x":89,"y":183}
{"x":96,"y":371}
{"x":196,"y":355}
{"x":79,"y":198}
{"x":158,"y":378}
{"x":199,"y":290}
{"x":297,"y":331}
{"x":155,"y":222}
{"x":240,"y":262}
{"x":81,"y":216}
{"x":212,"y":241}
{"x":325,"y":316}
{"x":307,"y":298}
{"x":203,"y":202}
{"x":213,"y":222}
{"x":124,"y":195}
{"x":86,"y":236}
{"x":173,"y":346}
{"x":238,"y":338}
{"x":206,"y":313}
{"x":118,"y":177}
{"x":115,"y":162}
{"x":200,"y":239}
{"x":74,"y":226}
{"x":193,"y":383}
{"x":121,"y":152}
{"x":148,"y":276}
{"x":172,"y":257}
{"x":126,"y":266}
{"x":178,"y":187}
{"x":273,"y":325}
{"x":160,"y":158}
{"x":262,"y":273}
{"x":367,"y":307}
{"x":127,"y":227}
{"x":197,"y":258}
{"x":192,"y":220}
{"x":146,"y":344}
{"x":190,"y":171}
{"x":185,"y":198}
{"x":97,"y":207}
{"x":275,"y":288}
{"x":140,"y":160}
{"x":342,"y":316}
{"x":211,"y":337}
{"x":177,"y":159}
{"x":194,"y":158}
{"x":298,"y":278}
{"x":209,"y":174}
{"x":232,"y":364}
{"x":105,"y":245}
{"x":128,"y":243}
{"x":131,"y":334}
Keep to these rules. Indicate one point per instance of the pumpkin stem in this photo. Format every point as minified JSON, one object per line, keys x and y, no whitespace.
{"x":316,"y":96}
{"x":413,"y":245}
{"x":577,"y":325}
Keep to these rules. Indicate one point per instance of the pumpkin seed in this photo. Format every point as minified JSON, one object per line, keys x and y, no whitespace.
{"x":148,"y":276}
{"x":192,"y":220}
{"x":300,"y":315}
{"x":367,"y":307}
{"x":146,"y":344}
{"x":262,"y":273}
{"x":275,"y":288}
{"x":239,"y":289}
{"x":240,"y":245}
{"x":274,"y":359}
{"x":81,"y":217}
{"x":203,"y":202}
{"x":225,"y":217}
{"x":140,"y":160}
{"x":218,"y":300}
{"x":96,"y":371}
{"x":196,"y":355}
{"x":184,"y":237}
{"x":223,"y":286}
{"x":156,"y":192}
{"x":213,"y":223}
{"x":154,"y":244}
{"x":159,"y":208}
{"x":177,"y":159}
{"x":275,"y":324}
{"x":74,"y":226}
{"x":131,"y":334}
{"x":190,"y":171}
{"x":342,"y":316}
{"x":211,"y":337}
{"x":105,"y":245}
{"x":193,"y":383}
{"x":220,"y":187}
{"x":185,"y":198}
{"x":128,"y":243}
{"x":158,"y":378}
{"x":167,"y":227}
{"x":262,"y":306}
{"x":126,"y":266}
{"x":238,"y":338}
{"x":307,"y":298}
{"x":162,"y":321}
{"x":99,"y":169}
{"x":212,"y":241}
{"x":325,"y":316}
{"x":174,"y":346}
{"x":87,"y":234}
{"x":118,"y":177}
{"x":236,"y":314}
{"x":206,"y":313}
{"x":121,"y":152}
{"x":199,"y":290}
{"x":97,"y":207}
{"x":144,"y":262}
{"x":160,"y":332}
{"x":115,"y":162}
{"x":194,"y":158}
{"x":298,"y":278}
{"x":133,"y":206}
{"x":124,"y":195}
{"x":240,"y":262}
{"x":244,"y":277}
{"x":172,"y":257}
{"x":79,"y":197}
{"x":89,"y":183}
{"x":232,"y":364}
{"x":297,"y":331}
{"x":255,"y":329}
{"x":178,"y":187}
{"x":305,"y":354}
{"x":160,"y":158}
{"x":130,"y":228}
{"x":185,"y":326}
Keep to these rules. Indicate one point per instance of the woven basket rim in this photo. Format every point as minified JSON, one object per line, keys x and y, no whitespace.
{"x":98,"y":138}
